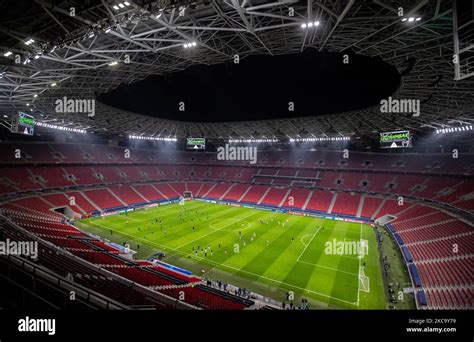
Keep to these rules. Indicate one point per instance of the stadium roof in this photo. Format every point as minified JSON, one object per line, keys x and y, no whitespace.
{"x":75,"y":53}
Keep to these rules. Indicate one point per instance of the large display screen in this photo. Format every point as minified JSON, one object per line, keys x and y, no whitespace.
{"x":399,"y":139}
{"x":196,"y":143}
{"x":26,"y":123}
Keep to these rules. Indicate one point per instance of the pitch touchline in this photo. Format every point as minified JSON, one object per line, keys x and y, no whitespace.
{"x":142,"y":239}
{"x":154,"y":217}
{"x":273,"y":280}
{"x":267,"y":278}
{"x":281,"y":282}
{"x":150,"y":219}
{"x":230,"y":267}
{"x":161,"y":216}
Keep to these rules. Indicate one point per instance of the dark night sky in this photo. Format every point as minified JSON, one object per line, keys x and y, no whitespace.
{"x":260,"y":87}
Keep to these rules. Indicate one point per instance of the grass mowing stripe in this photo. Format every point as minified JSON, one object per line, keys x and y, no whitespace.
{"x":329,"y":268}
{"x":204,"y":260}
{"x":309,"y":243}
{"x":212,"y":232}
{"x":238,"y":260}
{"x":278,"y":246}
{"x":183,"y":234}
{"x":286,"y":263}
{"x":321,"y":277}
{"x":178,"y":231}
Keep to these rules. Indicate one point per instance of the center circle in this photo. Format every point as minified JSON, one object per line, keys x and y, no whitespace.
{"x":231,"y":225}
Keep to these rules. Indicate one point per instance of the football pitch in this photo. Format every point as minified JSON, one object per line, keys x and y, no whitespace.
{"x":267,"y":252}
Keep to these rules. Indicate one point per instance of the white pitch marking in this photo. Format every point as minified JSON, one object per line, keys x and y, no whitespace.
{"x":329,"y":268}
{"x":230,"y":267}
{"x":212,"y":232}
{"x":309,"y":243}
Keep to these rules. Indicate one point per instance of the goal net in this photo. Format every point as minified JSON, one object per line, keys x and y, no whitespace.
{"x":188,"y":195}
{"x":364,"y":284}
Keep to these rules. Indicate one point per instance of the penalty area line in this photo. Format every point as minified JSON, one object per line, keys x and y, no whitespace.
{"x":309,"y":243}
{"x":213,"y":263}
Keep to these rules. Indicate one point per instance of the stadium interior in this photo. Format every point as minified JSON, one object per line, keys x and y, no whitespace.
{"x":130,"y":189}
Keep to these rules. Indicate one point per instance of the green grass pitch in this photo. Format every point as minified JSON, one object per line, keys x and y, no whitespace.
{"x":276,"y":252}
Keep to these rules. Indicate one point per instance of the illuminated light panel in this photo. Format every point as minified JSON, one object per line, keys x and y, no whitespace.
{"x":252,"y":140}
{"x":142,"y":137}
{"x":61,"y":128}
{"x":454,"y":129}
{"x":320,"y":139}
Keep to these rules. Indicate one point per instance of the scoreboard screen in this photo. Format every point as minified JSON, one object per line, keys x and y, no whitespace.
{"x":399,"y":139}
{"x":23,"y":124}
{"x":196,"y":143}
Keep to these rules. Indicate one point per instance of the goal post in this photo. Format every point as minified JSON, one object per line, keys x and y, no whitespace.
{"x":188,"y":195}
{"x":364,"y":281}
{"x":364,"y":284}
